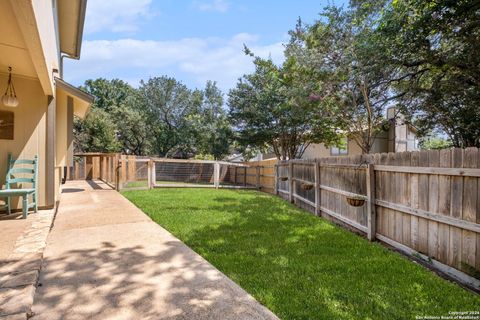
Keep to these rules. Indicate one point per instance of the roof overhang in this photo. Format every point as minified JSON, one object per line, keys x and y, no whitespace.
{"x":82,"y":101}
{"x":71,"y":19}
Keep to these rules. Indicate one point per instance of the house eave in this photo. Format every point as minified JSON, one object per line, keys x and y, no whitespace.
{"x":71,"y":21}
{"x":82,"y":100}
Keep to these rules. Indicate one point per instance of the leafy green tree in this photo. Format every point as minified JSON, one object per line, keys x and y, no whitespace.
{"x":120,"y":103}
{"x":169,"y":105}
{"x":341,"y":56}
{"x":435,"y":143}
{"x":108,"y":94}
{"x":133,"y":133}
{"x":96,"y":133}
{"x":213,"y":132}
{"x":268,"y":110}
{"x":436,"y":47}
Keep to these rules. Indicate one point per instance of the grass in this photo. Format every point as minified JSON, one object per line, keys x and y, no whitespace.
{"x":136,"y":184}
{"x":297,"y":265}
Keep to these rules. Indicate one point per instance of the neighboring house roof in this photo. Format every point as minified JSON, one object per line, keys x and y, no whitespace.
{"x":71,"y":18}
{"x":82,"y":100}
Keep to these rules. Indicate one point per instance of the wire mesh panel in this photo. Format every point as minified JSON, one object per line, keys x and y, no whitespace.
{"x":184,"y":173}
{"x":133,"y":173}
{"x":199,"y":173}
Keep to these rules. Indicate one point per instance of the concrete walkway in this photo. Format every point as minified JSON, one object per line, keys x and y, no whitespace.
{"x":105,"y":259}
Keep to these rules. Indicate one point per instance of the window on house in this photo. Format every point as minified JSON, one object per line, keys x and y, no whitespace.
{"x":341,"y":149}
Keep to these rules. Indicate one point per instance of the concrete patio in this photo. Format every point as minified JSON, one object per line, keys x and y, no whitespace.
{"x":12,"y":228}
{"x":22,"y":243}
{"x":105,"y":259}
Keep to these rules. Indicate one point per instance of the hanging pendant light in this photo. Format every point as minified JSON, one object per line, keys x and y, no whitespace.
{"x":9,"y":99}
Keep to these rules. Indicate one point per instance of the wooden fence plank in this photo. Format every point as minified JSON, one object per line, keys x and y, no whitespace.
{"x":444,"y":197}
{"x":405,"y":191}
{"x":423,"y":204}
{"x":390,"y":196}
{"x":371,"y":216}
{"x":378,"y":194}
{"x":470,"y":187}
{"x":455,"y":247}
{"x":434,"y":161}
{"x":398,"y":183}
{"x":415,"y":159}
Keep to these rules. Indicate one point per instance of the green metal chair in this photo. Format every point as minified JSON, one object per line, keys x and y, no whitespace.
{"x":29,"y":175}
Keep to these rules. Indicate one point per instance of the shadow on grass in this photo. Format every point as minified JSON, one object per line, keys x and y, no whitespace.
{"x":299,"y":266}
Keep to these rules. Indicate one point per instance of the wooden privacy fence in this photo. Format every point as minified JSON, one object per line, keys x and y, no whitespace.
{"x":424,"y":203}
{"x":91,"y":166}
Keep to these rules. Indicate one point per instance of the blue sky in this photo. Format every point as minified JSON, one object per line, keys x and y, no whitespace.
{"x":190,"y":40}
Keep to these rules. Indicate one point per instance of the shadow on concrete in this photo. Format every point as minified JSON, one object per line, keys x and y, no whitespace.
{"x":94,"y":185}
{"x":72,"y":190}
{"x":111,"y":282}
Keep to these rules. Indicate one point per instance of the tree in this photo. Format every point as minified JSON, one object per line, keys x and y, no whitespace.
{"x":169,"y":105}
{"x":213,"y":131}
{"x":163,"y":117}
{"x":118,"y":105}
{"x":108,"y":94}
{"x":343,"y":58}
{"x":436,"y":46}
{"x":96,"y":133}
{"x":132,"y":132}
{"x":266,"y":110}
{"x":435,"y":143}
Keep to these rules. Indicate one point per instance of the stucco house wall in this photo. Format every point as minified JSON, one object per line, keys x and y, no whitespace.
{"x":29,"y":129}
{"x":398,"y":139}
{"x":43,"y":120}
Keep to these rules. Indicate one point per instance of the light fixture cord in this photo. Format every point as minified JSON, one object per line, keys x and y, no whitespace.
{"x":10,"y":88}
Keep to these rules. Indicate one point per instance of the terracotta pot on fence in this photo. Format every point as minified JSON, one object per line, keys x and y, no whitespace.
{"x":355,"y":202}
{"x":307,"y":186}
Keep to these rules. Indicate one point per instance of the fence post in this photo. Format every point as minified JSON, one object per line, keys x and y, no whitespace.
{"x":216,"y":175}
{"x":153,"y":178}
{"x":371,"y":214}
{"x":149,"y":174}
{"x":290,"y":182}
{"x":116,"y":166}
{"x":245,"y":176}
{"x":235,"y":175}
{"x":257,"y":173}
{"x":275,"y":166}
{"x":318,"y":191}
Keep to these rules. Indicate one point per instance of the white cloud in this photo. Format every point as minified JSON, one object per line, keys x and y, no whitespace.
{"x":213,"y":5}
{"x":116,"y":15}
{"x":191,"y":60}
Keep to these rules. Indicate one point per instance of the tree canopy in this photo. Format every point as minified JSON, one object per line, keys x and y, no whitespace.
{"x":340,"y":74}
{"x":162,"y":117}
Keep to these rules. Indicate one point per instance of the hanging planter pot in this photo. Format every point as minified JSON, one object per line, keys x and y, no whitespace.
{"x":307,"y":186}
{"x":283,"y":178}
{"x":355,"y":201}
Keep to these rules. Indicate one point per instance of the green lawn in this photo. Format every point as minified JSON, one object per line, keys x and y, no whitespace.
{"x":300,"y":266}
